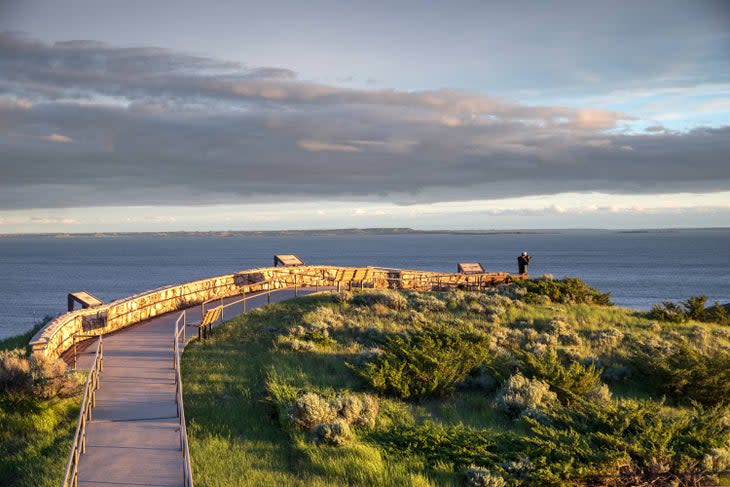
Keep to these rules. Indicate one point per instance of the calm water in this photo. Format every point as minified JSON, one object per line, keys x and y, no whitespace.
{"x":639,"y":269}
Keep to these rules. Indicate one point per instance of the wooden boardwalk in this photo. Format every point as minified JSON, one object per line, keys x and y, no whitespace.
{"x":133,"y":438}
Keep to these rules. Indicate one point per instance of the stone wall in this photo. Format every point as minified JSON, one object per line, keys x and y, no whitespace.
{"x":58,"y":335}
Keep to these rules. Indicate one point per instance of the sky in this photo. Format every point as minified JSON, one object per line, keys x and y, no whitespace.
{"x":161,"y":116}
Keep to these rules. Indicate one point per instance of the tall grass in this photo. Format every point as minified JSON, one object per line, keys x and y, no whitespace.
{"x":35,"y":433}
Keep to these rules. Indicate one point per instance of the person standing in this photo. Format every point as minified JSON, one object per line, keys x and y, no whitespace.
{"x":523,"y":261}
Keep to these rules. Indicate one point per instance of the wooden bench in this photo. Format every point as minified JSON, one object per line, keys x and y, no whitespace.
{"x":210,"y":317}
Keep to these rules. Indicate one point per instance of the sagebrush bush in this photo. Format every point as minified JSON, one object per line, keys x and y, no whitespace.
{"x":323,"y":318}
{"x":15,"y":373}
{"x":358,"y":410}
{"x":40,"y":376}
{"x":427,"y":363}
{"x":522,"y":396}
{"x":336,"y":433}
{"x":426,"y":302}
{"x":477,"y":476}
{"x":311,"y":409}
{"x":386,"y":297}
{"x":49,"y":376}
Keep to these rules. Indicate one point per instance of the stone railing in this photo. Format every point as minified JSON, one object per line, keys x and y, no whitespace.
{"x":59,"y":335}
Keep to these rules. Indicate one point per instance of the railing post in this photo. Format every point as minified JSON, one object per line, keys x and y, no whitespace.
{"x":244,"y":302}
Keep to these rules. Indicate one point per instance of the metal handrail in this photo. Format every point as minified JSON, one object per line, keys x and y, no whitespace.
{"x":187,"y":469}
{"x":71,"y":477}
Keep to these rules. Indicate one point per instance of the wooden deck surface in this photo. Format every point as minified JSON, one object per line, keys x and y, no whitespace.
{"x":133,"y":438}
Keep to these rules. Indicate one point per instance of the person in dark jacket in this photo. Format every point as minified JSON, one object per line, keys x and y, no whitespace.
{"x":523,"y":261}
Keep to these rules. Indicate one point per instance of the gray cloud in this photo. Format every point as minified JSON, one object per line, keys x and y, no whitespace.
{"x":87,"y":124}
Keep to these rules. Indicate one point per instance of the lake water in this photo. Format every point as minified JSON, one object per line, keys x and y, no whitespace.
{"x":639,"y":268}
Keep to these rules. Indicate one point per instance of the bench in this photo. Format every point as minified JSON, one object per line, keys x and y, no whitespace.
{"x":210,"y":317}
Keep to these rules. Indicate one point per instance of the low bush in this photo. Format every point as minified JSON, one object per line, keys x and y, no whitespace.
{"x":567,"y":381}
{"x":717,"y":313}
{"x":427,"y":363}
{"x":520,"y":396}
{"x":685,"y":373}
{"x":693,"y":308}
{"x":358,"y":410}
{"x":311,"y":409}
{"x":626,"y":443}
{"x":570,"y":290}
{"x":456,"y":445}
{"x":386,"y":297}
{"x":50,"y":377}
{"x":426,"y":302}
{"x":668,"y":311}
{"x":336,"y":433}
{"x":15,"y":374}
{"x":482,"y":477}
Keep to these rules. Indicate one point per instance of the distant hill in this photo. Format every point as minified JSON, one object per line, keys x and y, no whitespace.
{"x":284,"y":233}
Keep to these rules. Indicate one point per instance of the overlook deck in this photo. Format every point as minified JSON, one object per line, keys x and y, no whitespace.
{"x":133,"y":438}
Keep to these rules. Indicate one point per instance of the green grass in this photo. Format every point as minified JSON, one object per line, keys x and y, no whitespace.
{"x":240,"y":433}
{"x":21,"y":341}
{"x":35,"y":434}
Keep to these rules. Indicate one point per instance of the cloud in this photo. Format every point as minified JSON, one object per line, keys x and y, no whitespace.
{"x":153,"y":126}
{"x":57,"y":138}
{"x":316,"y":146}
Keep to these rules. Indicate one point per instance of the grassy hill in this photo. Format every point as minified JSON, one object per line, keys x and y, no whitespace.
{"x":534,"y":384}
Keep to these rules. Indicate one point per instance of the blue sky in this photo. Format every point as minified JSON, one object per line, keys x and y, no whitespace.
{"x":181,"y":116}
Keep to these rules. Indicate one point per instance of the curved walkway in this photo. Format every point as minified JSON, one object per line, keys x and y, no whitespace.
{"x":133,"y":438}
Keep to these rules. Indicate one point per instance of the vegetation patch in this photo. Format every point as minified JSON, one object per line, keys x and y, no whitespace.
{"x":542,"y":383}
{"x":39,"y":406}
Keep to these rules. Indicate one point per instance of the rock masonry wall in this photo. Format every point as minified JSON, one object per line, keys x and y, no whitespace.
{"x":58,"y":335}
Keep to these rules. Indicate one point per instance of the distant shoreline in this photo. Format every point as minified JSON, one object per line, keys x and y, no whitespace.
{"x":342,"y":231}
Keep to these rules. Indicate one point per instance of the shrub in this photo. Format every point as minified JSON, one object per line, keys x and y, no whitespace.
{"x":668,"y":311}
{"x":426,"y":302}
{"x":481,"y":477}
{"x":295,"y":344}
{"x":717,"y":313}
{"x":49,"y":376}
{"x":455,"y":445}
{"x":570,"y":290}
{"x":311,"y":409}
{"x":522,"y":396}
{"x":626,"y":443}
{"x":15,"y":372}
{"x":574,"y":379}
{"x":342,"y":297}
{"x":336,"y":433}
{"x":686,"y":374}
{"x":695,"y":307}
{"x":386,"y":297}
{"x":323,"y":318}
{"x":427,"y":363}
{"x":358,"y":410}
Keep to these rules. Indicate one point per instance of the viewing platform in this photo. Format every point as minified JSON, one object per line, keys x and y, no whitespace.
{"x":132,"y":427}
